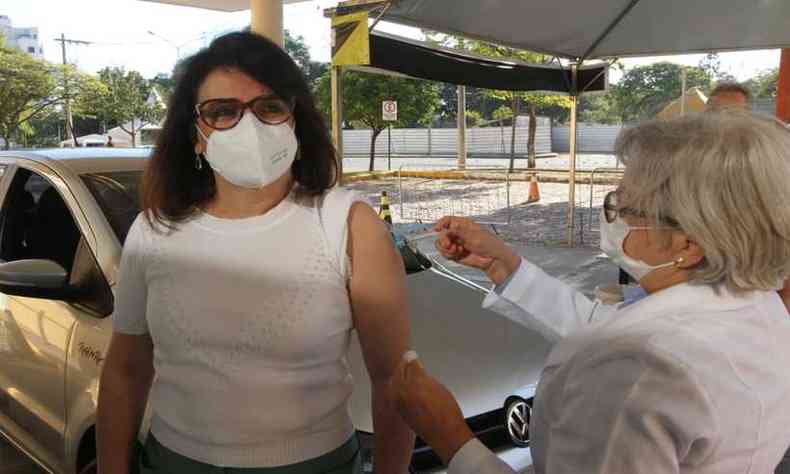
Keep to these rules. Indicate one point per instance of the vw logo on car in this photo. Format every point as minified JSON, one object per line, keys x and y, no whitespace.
{"x":517,"y":416}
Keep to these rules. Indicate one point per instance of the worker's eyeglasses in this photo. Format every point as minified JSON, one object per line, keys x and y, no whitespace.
{"x":612,"y":209}
{"x":224,"y":114}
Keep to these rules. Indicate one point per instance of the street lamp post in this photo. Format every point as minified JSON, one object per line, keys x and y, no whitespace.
{"x":176,"y":46}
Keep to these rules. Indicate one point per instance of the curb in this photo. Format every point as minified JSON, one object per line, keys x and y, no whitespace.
{"x":582,"y":177}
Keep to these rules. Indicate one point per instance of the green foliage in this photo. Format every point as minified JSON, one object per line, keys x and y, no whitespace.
{"x":711,"y":64}
{"x":26,"y":87}
{"x":598,"y":108}
{"x":473,"y":118}
{"x":30,"y":87}
{"x":297,"y":48}
{"x":364,"y":93}
{"x":502,"y":113}
{"x":645,"y":90}
{"x":164,"y":84}
{"x":127,"y":101}
{"x":764,"y":84}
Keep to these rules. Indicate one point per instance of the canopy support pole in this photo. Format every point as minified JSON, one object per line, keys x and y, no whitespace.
{"x":267,"y":19}
{"x":336,"y":87}
{"x":783,"y":88}
{"x":572,"y":155}
{"x":461,"y":116}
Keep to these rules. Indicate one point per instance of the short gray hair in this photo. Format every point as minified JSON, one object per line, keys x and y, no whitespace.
{"x":723,"y":178}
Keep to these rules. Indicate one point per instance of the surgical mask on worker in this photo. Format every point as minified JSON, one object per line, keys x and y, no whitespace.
{"x":613,"y":235}
{"x":252,"y":154}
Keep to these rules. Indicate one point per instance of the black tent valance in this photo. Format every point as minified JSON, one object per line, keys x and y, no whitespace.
{"x":423,"y":61}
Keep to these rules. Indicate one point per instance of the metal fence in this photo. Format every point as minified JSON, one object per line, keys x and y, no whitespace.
{"x":485,"y":194}
{"x":590,"y":196}
{"x":590,"y":138}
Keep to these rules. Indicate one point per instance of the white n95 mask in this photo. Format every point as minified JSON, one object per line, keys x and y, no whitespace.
{"x":613,"y":236}
{"x":252,"y":154}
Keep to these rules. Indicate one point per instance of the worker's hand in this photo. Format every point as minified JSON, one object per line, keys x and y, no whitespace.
{"x":429,"y":409}
{"x":464,"y":241}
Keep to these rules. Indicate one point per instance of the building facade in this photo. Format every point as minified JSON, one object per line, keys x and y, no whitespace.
{"x":23,"y":39}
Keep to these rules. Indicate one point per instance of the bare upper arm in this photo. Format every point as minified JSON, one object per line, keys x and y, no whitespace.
{"x":132,"y":355}
{"x":378,"y":292}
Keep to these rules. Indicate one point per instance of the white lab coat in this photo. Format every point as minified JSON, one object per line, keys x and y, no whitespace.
{"x":687,"y":380}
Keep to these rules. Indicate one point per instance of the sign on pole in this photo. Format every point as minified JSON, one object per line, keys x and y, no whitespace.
{"x":389,"y":110}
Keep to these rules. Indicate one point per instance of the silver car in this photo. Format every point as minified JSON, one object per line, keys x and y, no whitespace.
{"x":65,"y":215}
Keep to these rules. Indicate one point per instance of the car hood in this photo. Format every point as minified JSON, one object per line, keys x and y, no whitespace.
{"x":483,"y":358}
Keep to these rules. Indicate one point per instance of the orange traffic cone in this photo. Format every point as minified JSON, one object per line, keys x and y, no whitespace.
{"x":534,"y":190}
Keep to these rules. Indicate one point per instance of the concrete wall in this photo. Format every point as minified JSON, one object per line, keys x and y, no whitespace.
{"x":481,"y":142}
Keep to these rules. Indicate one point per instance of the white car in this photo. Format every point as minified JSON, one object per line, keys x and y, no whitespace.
{"x":65,"y":214}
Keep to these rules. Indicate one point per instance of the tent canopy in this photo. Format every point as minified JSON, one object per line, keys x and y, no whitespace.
{"x":584,"y":29}
{"x":423,"y":61}
{"x":222,"y":5}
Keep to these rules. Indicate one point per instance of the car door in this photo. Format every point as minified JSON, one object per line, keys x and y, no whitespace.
{"x":36,"y":222}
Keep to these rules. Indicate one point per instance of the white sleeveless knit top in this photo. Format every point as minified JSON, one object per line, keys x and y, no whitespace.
{"x":251,"y":321}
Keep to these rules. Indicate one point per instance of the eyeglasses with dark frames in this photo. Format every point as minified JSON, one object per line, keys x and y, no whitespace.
{"x":224,"y":114}
{"x":612,"y":209}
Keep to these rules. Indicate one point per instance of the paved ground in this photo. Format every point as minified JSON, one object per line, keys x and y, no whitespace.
{"x":583,"y":161}
{"x":542,"y":223}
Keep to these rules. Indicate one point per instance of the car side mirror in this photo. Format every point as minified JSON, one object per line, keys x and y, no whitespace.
{"x":34,"y":278}
{"x":413,"y":260}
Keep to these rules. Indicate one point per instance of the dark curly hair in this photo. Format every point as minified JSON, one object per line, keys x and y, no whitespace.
{"x":173,"y":188}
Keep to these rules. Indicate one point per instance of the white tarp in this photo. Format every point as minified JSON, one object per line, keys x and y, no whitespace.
{"x":606,"y":28}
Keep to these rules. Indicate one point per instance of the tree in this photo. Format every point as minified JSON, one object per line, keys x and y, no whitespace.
{"x":30,"y":87}
{"x":711,"y":64}
{"x":473,"y":118}
{"x":598,"y":108}
{"x":363,"y":94}
{"x":128,"y":100}
{"x":164,"y":84}
{"x":764,"y":84}
{"x":645,"y":90}
{"x":533,"y":100}
{"x":297,"y":48}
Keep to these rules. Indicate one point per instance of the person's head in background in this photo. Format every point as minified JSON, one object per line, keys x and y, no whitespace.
{"x":729,"y":94}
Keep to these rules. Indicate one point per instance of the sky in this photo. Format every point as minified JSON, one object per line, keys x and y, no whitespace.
{"x":119,"y":32}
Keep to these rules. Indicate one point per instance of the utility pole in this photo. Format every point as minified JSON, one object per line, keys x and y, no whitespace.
{"x":67,"y":104}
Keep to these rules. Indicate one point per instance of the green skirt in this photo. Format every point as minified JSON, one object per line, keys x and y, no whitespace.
{"x":153,"y":458}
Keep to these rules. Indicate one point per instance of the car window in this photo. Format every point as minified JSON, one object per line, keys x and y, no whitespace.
{"x":37,"y":223}
{"x":117,"y":194}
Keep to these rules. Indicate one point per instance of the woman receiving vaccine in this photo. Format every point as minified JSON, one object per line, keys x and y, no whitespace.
{"x":241,"y":283}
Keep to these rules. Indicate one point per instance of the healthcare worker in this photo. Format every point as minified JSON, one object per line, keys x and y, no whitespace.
{"x":692,"y":378}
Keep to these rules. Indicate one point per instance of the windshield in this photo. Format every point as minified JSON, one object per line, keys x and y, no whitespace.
{"x":117,"y":193}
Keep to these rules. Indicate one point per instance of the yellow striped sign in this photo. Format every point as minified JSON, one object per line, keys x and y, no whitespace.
{"x":350,"y":40}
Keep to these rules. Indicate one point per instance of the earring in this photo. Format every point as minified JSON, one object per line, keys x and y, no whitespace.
{"x":679,"y":261}
{"x":198,"y":161}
